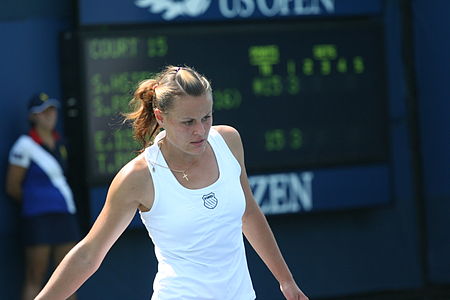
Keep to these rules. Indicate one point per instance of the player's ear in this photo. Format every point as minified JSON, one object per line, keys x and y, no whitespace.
{"x":159,"y":116}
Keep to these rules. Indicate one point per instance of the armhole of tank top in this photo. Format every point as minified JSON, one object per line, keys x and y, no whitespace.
{"x":222,"y":144}
{"x":153,"y":178}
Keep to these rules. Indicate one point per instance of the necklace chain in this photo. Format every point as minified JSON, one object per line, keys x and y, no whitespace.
{"x":154,"y":163}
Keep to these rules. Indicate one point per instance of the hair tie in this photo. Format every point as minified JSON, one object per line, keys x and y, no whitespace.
{"x":178,"y":69}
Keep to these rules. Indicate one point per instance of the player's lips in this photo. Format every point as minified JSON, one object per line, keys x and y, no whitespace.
{"x":198,"y":142}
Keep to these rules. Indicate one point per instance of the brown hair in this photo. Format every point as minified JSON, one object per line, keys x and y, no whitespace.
{"x":160,"y":92}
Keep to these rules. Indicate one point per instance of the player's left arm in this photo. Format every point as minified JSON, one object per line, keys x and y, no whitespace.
{"x":255,"y":226}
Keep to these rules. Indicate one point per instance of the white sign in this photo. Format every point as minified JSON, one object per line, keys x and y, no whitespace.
{"x":283,"y":193}
{"x":171,"y":9}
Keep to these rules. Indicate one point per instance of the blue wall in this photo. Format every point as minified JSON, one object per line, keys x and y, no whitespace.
{"x":331,"y":254}
{"x":432,"y":33}
{"x":29,"y":63}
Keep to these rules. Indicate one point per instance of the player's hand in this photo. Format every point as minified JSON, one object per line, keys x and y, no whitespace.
{"x":291,"y":291}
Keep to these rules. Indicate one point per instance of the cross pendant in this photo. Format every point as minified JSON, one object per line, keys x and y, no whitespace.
{"x":185,"y":176}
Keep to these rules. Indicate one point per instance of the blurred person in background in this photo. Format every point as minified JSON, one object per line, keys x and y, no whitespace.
{"x":36,"y":180}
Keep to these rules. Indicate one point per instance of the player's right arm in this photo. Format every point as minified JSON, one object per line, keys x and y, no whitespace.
{"x":131,"y":188}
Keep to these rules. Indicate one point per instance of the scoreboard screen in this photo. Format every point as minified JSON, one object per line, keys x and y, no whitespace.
{"x":303,"y":94}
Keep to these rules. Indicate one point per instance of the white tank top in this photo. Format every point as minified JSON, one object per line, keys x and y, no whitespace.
{"x":197,"y":233}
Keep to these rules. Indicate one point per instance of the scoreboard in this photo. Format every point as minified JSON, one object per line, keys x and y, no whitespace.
{"x":303,"y":93}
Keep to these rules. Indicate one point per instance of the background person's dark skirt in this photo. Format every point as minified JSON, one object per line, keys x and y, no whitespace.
{"x":50,"y":229}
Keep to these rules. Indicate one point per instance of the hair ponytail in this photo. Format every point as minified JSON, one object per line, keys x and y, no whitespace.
{"x":142,"y":117}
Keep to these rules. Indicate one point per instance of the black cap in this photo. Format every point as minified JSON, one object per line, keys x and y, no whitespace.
{"x":40,"y":102}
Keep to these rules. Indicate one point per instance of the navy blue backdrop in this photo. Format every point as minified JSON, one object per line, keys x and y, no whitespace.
{"x":331,"y":254}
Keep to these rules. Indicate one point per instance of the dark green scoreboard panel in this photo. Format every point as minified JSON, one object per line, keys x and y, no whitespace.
{"x":303,"y":94}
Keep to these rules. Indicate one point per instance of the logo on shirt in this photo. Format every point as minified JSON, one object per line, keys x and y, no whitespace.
{"x":210,"y":201}
{"x":17,"y":155}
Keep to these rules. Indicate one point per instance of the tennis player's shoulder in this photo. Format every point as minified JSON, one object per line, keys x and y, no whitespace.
{"x":135,"y":167}
{"x":134,"y":177}
{"x":229,"y":134}
{"x":231,"y":137}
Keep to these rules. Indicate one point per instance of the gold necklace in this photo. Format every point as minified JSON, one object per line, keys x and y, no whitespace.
{"x":154,"y":163}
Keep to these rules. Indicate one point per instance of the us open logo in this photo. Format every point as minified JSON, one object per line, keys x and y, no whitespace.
{"x":210,"y":201}
{"x":170,"y":9}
